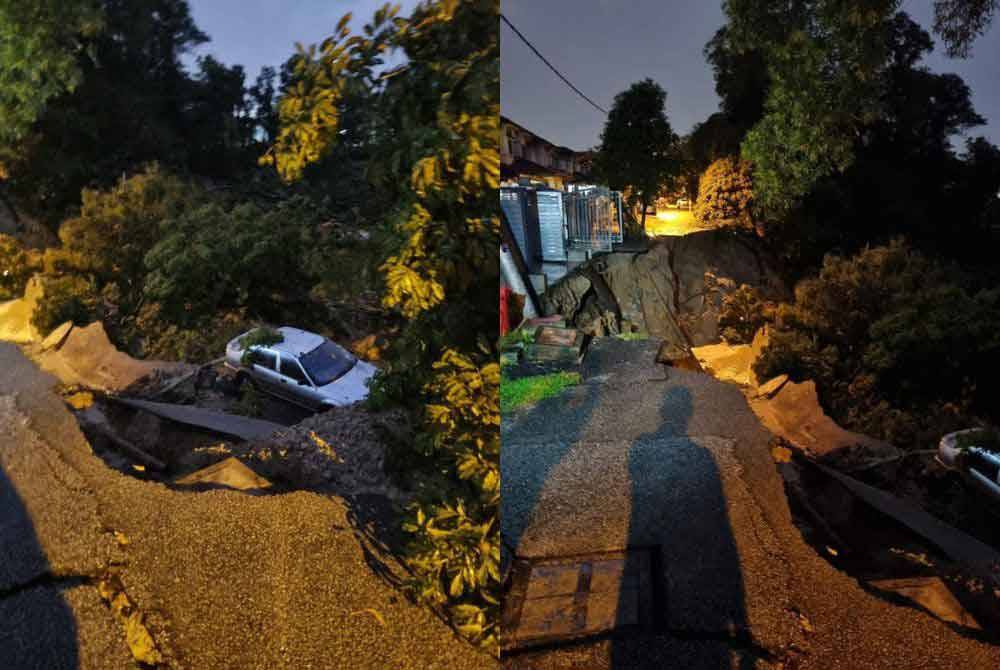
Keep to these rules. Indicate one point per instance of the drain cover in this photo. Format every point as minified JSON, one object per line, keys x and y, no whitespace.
{"x":555,"y":599}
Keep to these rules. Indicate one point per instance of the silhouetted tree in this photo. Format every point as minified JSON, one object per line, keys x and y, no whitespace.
{"x":639,"y":151}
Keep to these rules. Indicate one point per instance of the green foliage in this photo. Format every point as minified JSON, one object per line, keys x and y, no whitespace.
{"x":154,"y":336}
{"x":639,"y":151}
{"x":249,"y":403}
{"x":16,"y":267}
{"x":258,"y":337}
{"x":437,"y":162}
{"x":211,"y":259}
{"x":40,"y":45}
{"x":180,"y":272}
{"x":742,"y":315}
{"x":825,"y":62}
{"x":69,"y":298}
{"x":134,"y":102}
{"x":898,"y":346}
{"x":310,"y":112}
{"x":725,"y":195}
{"x":806,"y":132}
{"x":519,"y":336}
{"x":117,"y":228}
{"x":517,"y":393}
{"x":960,"y":22}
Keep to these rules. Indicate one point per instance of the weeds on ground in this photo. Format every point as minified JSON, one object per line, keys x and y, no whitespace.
{"x":516,"y":337}
{"x":249,"y":403}
{"x":632,"y":337}
{"x":515,"y":393}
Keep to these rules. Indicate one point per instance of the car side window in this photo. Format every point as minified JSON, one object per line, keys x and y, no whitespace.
{"x":263,"y":358}
{"x":290,"y":368}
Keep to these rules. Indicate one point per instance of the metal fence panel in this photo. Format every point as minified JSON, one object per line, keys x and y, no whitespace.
{"x":512,"y":203}
{"x":593,"y":218}
{"x":551,"y":222}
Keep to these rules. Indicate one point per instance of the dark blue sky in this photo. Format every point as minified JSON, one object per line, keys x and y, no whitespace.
{"x":602,"y":46}
{"x":255,"y":33}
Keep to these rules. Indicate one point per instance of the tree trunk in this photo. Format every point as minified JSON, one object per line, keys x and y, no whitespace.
{"x":642,"y":221}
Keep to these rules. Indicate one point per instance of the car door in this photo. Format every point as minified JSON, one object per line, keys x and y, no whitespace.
{"x":263,"y":368}
{"x":293,"y":383}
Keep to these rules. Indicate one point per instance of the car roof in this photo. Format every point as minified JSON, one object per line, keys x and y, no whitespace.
{"x":297,"y":341}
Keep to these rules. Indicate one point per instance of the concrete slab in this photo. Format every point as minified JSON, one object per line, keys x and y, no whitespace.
{"x":243,"y":427}
{"x":229,"y":473}
{"x":684,"y":496}
{"x":593,"y":464}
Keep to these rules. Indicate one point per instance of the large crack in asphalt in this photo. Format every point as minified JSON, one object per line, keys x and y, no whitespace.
{"x":120,"y":605}
{"x":48,"y":579}
{"x":678,"y":318}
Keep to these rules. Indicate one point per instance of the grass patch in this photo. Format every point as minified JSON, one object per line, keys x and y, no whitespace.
{"x":515,"y":393}
{"x":515,"y":338}
{"x":632,"y":337}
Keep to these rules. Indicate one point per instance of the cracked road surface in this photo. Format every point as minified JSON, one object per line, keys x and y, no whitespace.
{"x":631,"y":459}
{"x":224,"y":580}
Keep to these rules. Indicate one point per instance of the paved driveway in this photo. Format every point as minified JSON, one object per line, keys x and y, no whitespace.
{"x":633,"y":459}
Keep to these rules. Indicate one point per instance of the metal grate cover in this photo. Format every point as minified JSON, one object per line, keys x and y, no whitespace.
{"x":559,"y":599}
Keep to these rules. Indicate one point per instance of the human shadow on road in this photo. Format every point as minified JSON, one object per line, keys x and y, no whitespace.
{"x":37,"y":627}
{"x":518,"y":502}
{"x":679,"y":515}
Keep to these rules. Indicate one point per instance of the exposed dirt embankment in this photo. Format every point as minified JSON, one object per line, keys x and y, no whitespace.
{"x":673,"y":291}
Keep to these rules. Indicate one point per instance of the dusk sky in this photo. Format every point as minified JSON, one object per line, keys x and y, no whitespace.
{"x":602,"y":46}
{"x":255,"y":33}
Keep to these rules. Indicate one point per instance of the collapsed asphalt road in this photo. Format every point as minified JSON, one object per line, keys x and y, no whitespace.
{"x":220,"y":579}
{"x":681,"y":467}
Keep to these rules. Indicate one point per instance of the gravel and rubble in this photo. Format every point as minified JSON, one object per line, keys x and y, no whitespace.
{"x":198,"y":579}
{"x":342,"y":450}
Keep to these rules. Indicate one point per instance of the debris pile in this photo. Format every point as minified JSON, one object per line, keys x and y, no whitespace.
{"x":15,"y":315}
{"x":674,"y":291}
{"x":732,"y":362}
{"x":341,"y":451}
{"x":87,"y":357}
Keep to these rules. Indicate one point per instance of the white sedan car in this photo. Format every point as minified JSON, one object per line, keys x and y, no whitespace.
{"x":304,"y":368}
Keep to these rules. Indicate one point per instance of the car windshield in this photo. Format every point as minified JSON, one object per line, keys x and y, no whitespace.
{"x":327,"y":363}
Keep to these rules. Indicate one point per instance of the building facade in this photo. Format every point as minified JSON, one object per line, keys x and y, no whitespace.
{"x":526,"y":157}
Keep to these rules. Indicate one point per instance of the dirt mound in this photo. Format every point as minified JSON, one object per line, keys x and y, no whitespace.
{"x":87,"y":357}
{"x":340,"y":451}
{"x":673,"y":291}
{"x":732,"y":362}
{"x":15,"y":315}
{"x":794,"y":413}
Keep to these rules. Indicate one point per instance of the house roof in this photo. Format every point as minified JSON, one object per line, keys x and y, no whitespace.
{"x":539,"y":138}
{"x":522,"y":166}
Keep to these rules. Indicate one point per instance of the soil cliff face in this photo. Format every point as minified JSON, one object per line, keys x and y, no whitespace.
{"x":672,"y":291}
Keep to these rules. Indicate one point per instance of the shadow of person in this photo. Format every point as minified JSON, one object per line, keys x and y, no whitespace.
{"x":550,"y":442}
{"x":691,"y":607}
{"x":37,"y":627}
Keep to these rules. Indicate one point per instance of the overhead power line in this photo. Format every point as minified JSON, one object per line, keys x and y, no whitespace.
{"x":551,"y":66}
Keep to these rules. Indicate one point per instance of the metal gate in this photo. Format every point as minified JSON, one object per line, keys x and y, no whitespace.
{"x":593,"y":218}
